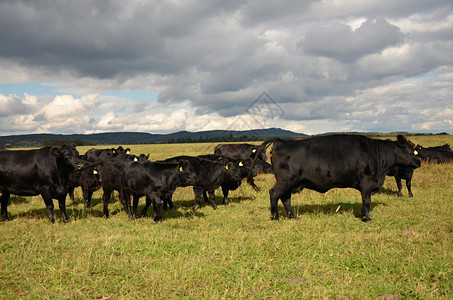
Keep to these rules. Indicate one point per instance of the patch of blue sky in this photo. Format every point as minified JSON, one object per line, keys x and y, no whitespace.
{"x":142,"y":95}
{"x":30,"y":88}
{"x":425,"y":76}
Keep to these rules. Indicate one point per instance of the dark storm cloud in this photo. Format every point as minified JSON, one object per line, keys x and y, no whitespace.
{"x":312,"y":57}
{"x":339,"y":41}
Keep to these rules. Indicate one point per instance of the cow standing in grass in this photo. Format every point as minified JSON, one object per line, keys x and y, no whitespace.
{"x":210,"y":174}
{"x":153,"y":180}
{"x":110,"y":172}
{"x":336,"y":161}
{"x":42,"y":172}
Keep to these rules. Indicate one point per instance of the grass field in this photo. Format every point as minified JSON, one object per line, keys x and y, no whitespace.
{"x":237,"y":252}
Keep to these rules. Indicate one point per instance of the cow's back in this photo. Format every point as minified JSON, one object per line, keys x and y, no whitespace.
{"x":23,"y":172}
{"x":324,"y":162}
{"x":239,"y":151}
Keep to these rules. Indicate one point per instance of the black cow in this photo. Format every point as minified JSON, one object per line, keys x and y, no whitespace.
{"x":240,"y":151}
{"x":445,"y":147}
{"x":402,"y":172}
{"x":227,"y":184}
{"x":42,"y":172}
{"x":88,"y":180}
{"x":262,"y":167}
{"x":435,"y":155}
{"x":94,"y":155}
{"x":210,"y":176}
{"x":110,"y":172}
{"x":336,"y":161}
{"x":153,"y":180}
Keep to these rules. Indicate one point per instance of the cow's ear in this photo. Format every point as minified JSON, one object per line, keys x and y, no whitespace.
{"x":401,"y":140}
{"x":182,"y":165}
{"x":55,"y":151}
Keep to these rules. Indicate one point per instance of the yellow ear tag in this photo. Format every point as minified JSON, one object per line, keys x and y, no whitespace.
{"x":415,"y":152}
{"x":254,"y":150}
{"x":113,"y":151}
{"x":128,"y":152}
{"x":135,"y":159}
{"x":241,"y":164}
{"x":95,"y":172}
{"x":180,"y":169}
{"x":226,"y":167}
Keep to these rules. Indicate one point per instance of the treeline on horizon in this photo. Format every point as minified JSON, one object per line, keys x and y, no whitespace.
{"x":229,"y":138}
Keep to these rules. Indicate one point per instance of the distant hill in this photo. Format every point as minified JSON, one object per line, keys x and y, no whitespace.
{"x":131,"y":138}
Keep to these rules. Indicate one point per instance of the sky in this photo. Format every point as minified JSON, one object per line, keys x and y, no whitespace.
{"x":165,"y":66}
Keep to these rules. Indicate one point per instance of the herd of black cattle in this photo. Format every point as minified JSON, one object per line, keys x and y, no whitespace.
{"x":318,"y":163}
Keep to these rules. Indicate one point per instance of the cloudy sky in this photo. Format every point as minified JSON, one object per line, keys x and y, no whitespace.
{"x":164,"y":66}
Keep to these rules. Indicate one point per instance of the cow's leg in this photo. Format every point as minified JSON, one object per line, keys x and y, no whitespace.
{"x":399,"y":185}
{"x":47,"y":197}
{"x":126,"y":200}
{"x":286,"y":199}
{"x":135,"y":204}
{"x":408,"y":185}
{"x":197,"y":191}
{"x":147,"y":204}
{"x":205,"y":196}
{"x":167,"y":201}
{"x":157,"y":203}
{"x":4,"y":199}
{"x":87,"y":197}
{"x":62,"y":205}
{"x":225,"y":192}
{"x":366,"y":202}
{"x":71,"y":195}
{"x":212,"y":197}
{"x":274,"y":194}
{"x":105,"y":200}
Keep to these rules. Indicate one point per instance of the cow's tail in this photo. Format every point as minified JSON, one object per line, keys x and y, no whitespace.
{"x":260,"y":148}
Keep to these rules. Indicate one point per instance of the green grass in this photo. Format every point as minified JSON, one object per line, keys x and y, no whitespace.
{"x":237,"y":251}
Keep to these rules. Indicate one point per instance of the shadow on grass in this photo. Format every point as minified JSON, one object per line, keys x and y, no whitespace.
{"x":330,"y":208}
{"x":387,"y":191}
{"x":18,"y":199}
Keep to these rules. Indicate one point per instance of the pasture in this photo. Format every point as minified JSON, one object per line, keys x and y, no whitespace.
{"x":237,"y":251}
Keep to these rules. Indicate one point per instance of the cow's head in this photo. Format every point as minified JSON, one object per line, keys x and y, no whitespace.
{"x":407,"y":154}
{"x":69,"y":155}
{"x":262,"y":167}
{"x":92,"y":177}
{"x":259,"y":154}
{"x":186,"y":175}
{"x":235,"y":170}
{"x":120,"y":150}
{"x":143,"y":157}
